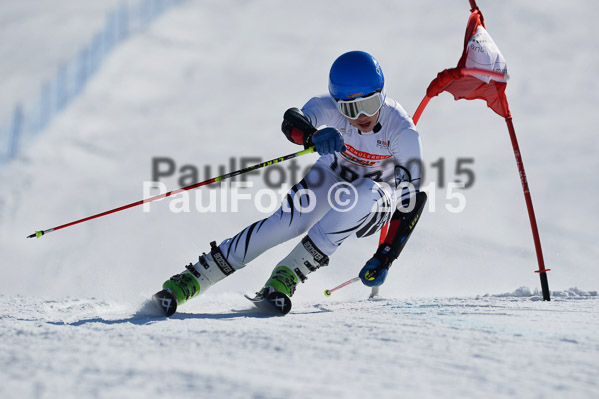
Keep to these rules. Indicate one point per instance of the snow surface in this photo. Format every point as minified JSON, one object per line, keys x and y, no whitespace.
{"x":211,"y":80}
{"x":217,"y":348}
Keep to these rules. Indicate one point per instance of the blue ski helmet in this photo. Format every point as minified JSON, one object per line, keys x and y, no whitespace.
{"x":355,"y":74}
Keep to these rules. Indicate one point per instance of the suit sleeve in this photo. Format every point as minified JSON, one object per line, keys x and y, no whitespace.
{"x":321,"y":111}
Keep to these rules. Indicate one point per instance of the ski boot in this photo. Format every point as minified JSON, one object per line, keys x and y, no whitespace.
{"x":274,"y":297}
{"x":210,"y":269}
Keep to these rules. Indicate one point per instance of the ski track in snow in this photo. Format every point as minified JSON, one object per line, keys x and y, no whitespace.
{"x":220,"y":347}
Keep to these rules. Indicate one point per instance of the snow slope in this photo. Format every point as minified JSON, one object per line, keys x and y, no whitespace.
{"x":217,"y":348}
{"x":210,"y":81}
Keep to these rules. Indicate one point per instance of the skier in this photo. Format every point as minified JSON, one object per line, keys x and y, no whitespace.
{"x":369,"y":157}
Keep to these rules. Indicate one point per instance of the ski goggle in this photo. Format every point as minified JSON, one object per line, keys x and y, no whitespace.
{"x":368,"y":105}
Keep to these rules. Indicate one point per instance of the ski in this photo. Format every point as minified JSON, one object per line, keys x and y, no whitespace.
{"x":166,"y":301}
{"x":275,"y":304}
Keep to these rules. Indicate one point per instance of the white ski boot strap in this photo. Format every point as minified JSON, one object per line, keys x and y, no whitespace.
{"x":212,"y":267}
{"x":305,"y":258}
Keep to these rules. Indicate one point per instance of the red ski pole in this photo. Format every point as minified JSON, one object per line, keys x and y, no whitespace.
{"x":174,"y":192}
{"x":348,"y":282}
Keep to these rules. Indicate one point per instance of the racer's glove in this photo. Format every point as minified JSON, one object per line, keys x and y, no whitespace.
{"x":328,"y":141}
{"x":375,"y":270}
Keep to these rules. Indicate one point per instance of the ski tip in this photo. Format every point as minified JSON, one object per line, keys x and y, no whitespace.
{"x":166,"y":301}
{"x":274,"y":304}
{"x":280,"y":302}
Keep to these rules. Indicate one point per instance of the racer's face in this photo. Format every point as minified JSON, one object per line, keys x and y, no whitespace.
{"x":364,"y":123}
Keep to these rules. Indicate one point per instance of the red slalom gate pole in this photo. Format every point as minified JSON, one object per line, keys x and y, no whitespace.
{"x":420,"y":109}
{"x":527,"y":197}
{"x":531,"y":212}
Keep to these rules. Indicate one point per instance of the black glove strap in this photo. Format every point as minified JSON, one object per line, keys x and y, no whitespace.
{"x":385,"y":255}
